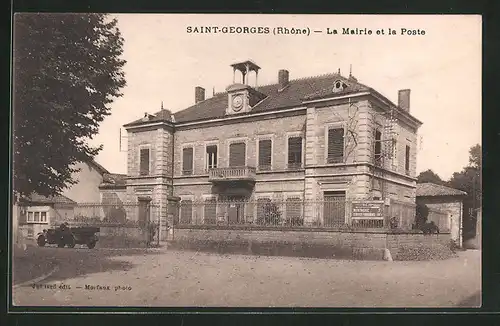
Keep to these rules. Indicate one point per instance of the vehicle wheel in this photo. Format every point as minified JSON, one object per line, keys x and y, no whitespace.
{"x":40,"y":241}
{"x":91,"y":245}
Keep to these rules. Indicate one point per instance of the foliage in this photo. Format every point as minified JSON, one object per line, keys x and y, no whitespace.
{"x":469,"y":180}
{"x":295,"y":221}
{"x":422,"y":212}
{"x":429,"y":176}
{"x":271,"y":215}
{"x":67,"y":71}
{"x":423,"y":252}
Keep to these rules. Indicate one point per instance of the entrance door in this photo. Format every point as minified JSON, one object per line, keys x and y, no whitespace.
{"x":334,"y":208}
{"x":235,"y":209}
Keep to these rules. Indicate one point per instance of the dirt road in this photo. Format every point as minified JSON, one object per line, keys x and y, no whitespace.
{"x":175,"y":278}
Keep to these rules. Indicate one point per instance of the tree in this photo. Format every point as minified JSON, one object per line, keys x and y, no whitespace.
{"x":475,"y":157}
{"x":469,"y":180}
{"x":429,"y":176}
{"x":67,"y":72}
{"x":422,"y":212}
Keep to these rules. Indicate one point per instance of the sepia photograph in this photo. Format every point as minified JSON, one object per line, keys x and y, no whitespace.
{"x":246,"y":160}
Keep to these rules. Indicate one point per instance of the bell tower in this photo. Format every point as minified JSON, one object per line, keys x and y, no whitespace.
{"x":241,"y":96}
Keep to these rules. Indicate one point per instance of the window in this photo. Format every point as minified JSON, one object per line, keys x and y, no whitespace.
{"x":265,"y":154}
{"x":30,"y":216}
{"x":295,"y":152}
{"x":144,"y":161}
{"x":37,"y":216}
{"x":335,"y":145}
{"x":43,"y":217}
{"x":378,"y":147}
{"x":407,"y":160}
{"x":395,"y":154}
{"x":211,"y":157}
{"x":237,"y":154}
{"x":186,"y":211}
{"x":187,"y":161}
{"x":210,"y":211}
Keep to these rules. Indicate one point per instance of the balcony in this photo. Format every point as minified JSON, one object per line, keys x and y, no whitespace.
{"x":243,"y":173}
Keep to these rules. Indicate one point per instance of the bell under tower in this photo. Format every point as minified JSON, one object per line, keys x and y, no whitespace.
{"x":241,"y":96}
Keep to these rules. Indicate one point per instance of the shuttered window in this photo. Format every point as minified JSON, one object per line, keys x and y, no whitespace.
{"x":294,"y":152}
{"x":144,"y":161}
{"x":335,"y":145}
{"x":378,"y":147}
{"x":407,"y":159}
{"x":265,"y":148}
{"x":187,"y":161}
{"x":237,"y":152}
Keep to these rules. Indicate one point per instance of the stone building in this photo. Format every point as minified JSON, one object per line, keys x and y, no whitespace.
{"x":449,"y":201}
{"x":308,"y":139}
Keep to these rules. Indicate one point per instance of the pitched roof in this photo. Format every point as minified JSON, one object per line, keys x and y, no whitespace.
{"x":98,"y":167}
{"x":292,"y":95}
{"x":115,"y":179}
{"x":57,"y":199}
{"x":429,"y":189}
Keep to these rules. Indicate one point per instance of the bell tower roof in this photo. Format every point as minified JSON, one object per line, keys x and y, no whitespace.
{"x":246,"y":66}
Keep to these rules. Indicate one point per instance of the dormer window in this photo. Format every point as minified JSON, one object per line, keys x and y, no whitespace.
{"x":339,"y":86}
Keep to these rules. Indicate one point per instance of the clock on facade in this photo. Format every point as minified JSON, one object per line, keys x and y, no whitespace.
{"x":237,"y":102}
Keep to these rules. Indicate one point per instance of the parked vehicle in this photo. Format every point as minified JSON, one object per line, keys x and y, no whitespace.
{"x":66,"y":236}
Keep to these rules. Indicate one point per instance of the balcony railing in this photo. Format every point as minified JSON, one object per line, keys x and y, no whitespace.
{"x":232,"y":174}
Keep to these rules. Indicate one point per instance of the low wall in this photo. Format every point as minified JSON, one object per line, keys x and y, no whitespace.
{"x":361,"y":244}
{"x":121,"y":237}
{"x":110,"y":236}
{"x":345,"y":239}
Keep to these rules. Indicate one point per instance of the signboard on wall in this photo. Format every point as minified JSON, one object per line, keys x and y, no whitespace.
{"x":372,"y":209}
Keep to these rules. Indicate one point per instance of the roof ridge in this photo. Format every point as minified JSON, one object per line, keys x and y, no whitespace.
{"x":329,"y":74}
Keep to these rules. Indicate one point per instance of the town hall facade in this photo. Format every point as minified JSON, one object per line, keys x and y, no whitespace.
{"x":309,"y":140}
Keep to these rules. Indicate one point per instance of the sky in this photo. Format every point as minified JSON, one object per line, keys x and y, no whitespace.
{"x":442,"y":68}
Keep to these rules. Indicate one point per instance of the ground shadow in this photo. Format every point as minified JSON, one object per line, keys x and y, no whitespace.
{"x":473,"y":301}
{"x":33,"y":262}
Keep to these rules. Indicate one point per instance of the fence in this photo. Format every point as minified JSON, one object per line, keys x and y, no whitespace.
{"x":403,"y":212}
{"x":121,"y":225}
{"x":292,"y":212}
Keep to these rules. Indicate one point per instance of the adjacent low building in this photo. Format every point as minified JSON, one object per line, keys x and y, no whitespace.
{"x":40,"y":212}
{"x":445,"y":208}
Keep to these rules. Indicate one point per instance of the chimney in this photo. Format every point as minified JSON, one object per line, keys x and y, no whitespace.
{"x":404,"y":99}
{"x":199,"y":94}
{"x":283,"y":78}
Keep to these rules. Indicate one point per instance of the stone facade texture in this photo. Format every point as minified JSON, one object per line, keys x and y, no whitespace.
{"x":356,"y":175}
